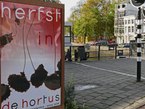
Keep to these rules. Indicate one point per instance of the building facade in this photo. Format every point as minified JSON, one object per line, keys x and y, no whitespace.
{"x":129,"y":28}
{"x":125,"y":23}
{"x":119,"y":22}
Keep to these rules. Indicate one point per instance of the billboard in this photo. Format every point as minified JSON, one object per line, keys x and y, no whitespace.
{"x":31,"y":55}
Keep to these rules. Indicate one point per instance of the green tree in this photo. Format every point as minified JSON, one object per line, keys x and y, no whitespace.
{"x":93,"y":19}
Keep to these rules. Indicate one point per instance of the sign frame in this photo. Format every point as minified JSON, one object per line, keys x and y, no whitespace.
{"x":49,"y":5}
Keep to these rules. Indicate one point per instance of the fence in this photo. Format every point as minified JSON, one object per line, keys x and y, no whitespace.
{"x":100,"y":52}
{"x":104,"y":52}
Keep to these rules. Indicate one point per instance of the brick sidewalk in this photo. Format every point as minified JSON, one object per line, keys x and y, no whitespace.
{"x":142,"y":107}
{"x":114,"y":82}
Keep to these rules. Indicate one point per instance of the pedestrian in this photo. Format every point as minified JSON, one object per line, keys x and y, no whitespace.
{"x":76,"y":55}
{"x":68,"y":55}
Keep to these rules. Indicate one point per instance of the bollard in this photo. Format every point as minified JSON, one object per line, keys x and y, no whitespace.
{"x":115,"y":52}
{"x":99,"y":52}
{"x":139,"y":46}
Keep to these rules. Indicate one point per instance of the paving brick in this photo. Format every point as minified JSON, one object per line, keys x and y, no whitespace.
{"x":113,"y":91}
{"x":115,"y":106}
{"x":102,"y":106}
{"x":109,"y":102}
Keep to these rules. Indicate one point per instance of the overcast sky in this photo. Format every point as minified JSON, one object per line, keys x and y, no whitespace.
{"x":68,"y":5}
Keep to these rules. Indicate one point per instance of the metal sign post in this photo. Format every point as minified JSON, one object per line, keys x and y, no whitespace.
{"x":139,"y":32}
{"x":138,"y":4}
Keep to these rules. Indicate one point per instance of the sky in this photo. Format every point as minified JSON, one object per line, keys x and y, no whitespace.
{"x":68,"y":5}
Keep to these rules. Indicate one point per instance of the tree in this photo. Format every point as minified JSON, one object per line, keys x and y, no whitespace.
{"x":93,"y":19}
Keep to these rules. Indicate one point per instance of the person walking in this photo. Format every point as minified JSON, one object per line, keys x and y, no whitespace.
{"x":68,"y":55}
{"x":76,"y":55}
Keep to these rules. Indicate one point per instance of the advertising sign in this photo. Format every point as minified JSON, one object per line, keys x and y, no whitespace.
{"x":31,"y":45}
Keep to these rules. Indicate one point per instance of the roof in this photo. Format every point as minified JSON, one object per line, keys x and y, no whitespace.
{"x":130,"y":10}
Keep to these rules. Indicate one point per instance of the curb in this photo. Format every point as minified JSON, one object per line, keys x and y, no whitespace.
{"x":137,"y":104}
{"x":143,"y":58}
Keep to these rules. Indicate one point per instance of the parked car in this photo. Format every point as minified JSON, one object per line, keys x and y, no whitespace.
{"x":126,"y":45}
{"x":102,"y":42}
{"x":107,"y":43}
{"x":112,"y":45}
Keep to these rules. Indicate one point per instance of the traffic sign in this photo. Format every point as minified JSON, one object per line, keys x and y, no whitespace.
{"x":137,"y":3}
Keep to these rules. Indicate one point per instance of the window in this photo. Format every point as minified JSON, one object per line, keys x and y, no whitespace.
{"x":122,"y":30}
{"x":129,"y":29}
{"x":144,"y":28}
{"x":125,"y":29}
{"x":116,"y":22}
{"x":132,"y":28}
{"x":132,"y":21}
{"x":116,"y":30}
{"x":122,"y":22}
{"x":123,"y":6}
{"x":125,"y":21}
{"x":128,"y":21}
{"x":124,"y":13}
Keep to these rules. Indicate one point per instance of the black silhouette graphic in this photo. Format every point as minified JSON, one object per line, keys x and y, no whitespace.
{"x":19,"y":82}
{"x":5,"y":39}
{"x":39,"y":76}
{"x":5,"y":92}
{"x":53,"y":81}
